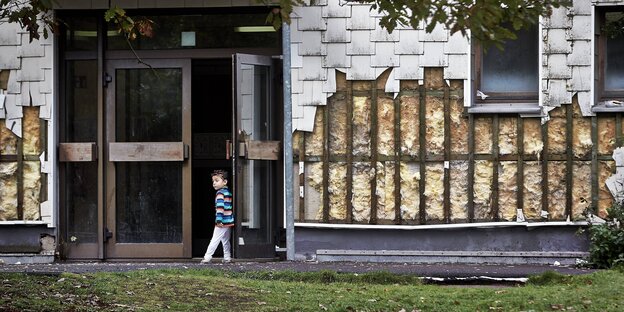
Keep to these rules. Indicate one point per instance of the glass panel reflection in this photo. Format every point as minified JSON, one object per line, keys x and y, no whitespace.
{"x":80,"y":125}
{"x":149,"y":202}
{"x":515,"y":69}
{"x":149,"y":105}
{"x":213,"y":30}
{"x":614,"y":80}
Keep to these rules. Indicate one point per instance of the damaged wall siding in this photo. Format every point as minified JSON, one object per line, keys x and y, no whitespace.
{"x":442,"y":181}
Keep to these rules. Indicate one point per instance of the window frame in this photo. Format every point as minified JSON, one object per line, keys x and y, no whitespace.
{"x":601,"y":95}
{"x":502,"y":102}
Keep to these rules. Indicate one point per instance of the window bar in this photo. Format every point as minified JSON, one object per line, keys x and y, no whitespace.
{"x":495,"y":161}
{"x":325,"y":164}
{"x":447,"y":154}
{"x":544,"y":157}
{"x":594,"y":165}
{"x":471,"y":160}
{"x":422,"y":152}
{"x":569,"y":162}
{"x":520,"y":172}
{"x":349,"y":141}
{"x":20,"y":178}
{"x":397,"y":160}
{"x":374,"y":127}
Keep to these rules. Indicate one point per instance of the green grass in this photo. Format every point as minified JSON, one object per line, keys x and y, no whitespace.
{"x":212,"y":290}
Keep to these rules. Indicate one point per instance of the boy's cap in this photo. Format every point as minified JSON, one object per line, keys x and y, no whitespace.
{"x":222,"y":173}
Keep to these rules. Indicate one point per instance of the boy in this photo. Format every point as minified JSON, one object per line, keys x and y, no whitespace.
{"x":224,"y":219}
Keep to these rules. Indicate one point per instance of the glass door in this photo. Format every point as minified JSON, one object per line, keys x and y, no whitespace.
{"x":148,"y":169}
{"x":254,"y":157}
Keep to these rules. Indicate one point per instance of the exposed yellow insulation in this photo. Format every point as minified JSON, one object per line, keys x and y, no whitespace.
{"x":483,"y":135}
{"x":410,"y":131}
{"x":606,"y":136}
{"x":434,"y":191}
{"x":362,"y":85}
{"x":409,"y":85}
{"x":581,"y":189}
{"x":559,"y":112}
{"x":434,"y":78}
{"x":8,"y":140}
{"x":361,"y":126}
{"x":482,"y":189}
{"x":337,"y":190}
{"x":434,"y":117}
{"x":581,"y":136}
{"x":557,"y":136}
{"x":314,"y":140}
{"x":31,"y":131}
{"x":507,"y":136}
{"x":533,"y":143}
{"x":507,"y":190}
{"x":8,"y":191}
{"x":410,"y":198}
{"x":313,"y":191}
{"x":362,"y":176}
{"x":32,"y":190}
{"x":297,"y":137}
{"x":341,"y":81}
{"x":557,"y":190}
{"x":338,"y":124}
{"x":385,"y":191}
{"x":532,"y":196}
{"x":458,"y":194}
{"x":385,"y":121}
{"x":459,"y":127}
{"x":605,"y":199}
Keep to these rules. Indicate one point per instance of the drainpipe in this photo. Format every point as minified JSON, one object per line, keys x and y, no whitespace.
{"x":287,"y":141}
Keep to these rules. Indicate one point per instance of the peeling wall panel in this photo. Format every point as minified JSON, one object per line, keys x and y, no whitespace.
{"x":507,"y":136}
{"x":8,"y":191}
{"x":532,"y":196}
{"x":338,"y":124}
{"x":386,"y":122}
{"x":362,"y":175}
{"x":313,"y":191}
{"x":361,"y":126}
{"x":410,"y":199}
{"x":581,"y":189}
{"x":434,"y":117}
{"x":605,"y":199}
{"x":410,"y":130}
{"x":385,"y":191}
{"x":606,"y":135}
{"x":483,"y":135}
{"x":458,"y":194}
{"x":557,"y":190}
{"x":434,"y":191}
{"x":32,"y":190}
{"x":507,"y":190}
{"x":337,"y":191}
{"x":482,"y":189}
{"x":532,"y":140}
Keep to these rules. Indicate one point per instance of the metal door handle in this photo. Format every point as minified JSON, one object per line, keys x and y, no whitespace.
{"x":228,"y":149}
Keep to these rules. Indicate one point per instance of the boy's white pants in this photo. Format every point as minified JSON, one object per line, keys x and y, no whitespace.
{"x":220,"y":235}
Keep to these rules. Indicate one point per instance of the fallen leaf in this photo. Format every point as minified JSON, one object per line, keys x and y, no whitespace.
{"x":324,"y":308}
{"x":261,"y":302}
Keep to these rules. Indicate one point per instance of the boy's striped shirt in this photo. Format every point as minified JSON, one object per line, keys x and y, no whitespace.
{"x":223,"y":206}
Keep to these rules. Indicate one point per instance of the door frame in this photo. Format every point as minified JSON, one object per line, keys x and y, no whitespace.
{"x":147,"y":250}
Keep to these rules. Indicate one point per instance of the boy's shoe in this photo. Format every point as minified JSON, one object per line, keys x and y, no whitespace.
{"x":227,"y":260}
{"x":205,"y":261}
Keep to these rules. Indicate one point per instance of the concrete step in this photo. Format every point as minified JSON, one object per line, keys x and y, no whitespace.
{"x":463,"y":257}
{"x":25,"y":258}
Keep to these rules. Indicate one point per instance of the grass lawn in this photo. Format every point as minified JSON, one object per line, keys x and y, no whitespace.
{"x":212,"y":290}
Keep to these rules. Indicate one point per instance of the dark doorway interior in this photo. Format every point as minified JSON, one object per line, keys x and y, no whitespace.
{"x":212,"y":126}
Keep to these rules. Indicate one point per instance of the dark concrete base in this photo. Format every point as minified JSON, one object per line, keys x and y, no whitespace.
{"x":21,"y":238}
{"x":503,"y":245}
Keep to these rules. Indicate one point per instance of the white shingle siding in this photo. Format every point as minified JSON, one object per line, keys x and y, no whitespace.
{"x":8,"y":57}
{"x":313,"y":69}
{"x":337,"y":56}
{"x":557,"y":67}
{"x":409,"y":43}
{"x":555,"y":42}
{"x":381,"y":34}
{"x":384,"y":55}
{"x":581,"y":28}
{"x":361,"y":68}
{"x":410,"y":68}
{"x":360,"y":18}
{"x":336,"y":31}
{"x":434,"y":55}
{"x":336,"y":9}
{"x":311,"y":44}
{"x":9,"y":35}
{"x":313,"y":19}
{"x":360,"y":43}
{"x":581,"y":53}
{"x":558,"y":19}
{"x":581,"y":78}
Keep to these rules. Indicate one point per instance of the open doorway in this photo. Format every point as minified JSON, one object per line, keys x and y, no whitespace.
{"x":211,"y":127}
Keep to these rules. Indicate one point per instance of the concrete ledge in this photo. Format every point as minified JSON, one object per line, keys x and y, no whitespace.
{"x":464,"y":257}
{"x":23,"y":258}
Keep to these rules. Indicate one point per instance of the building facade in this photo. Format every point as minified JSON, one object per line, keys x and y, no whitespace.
{"x":407,"y":146}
